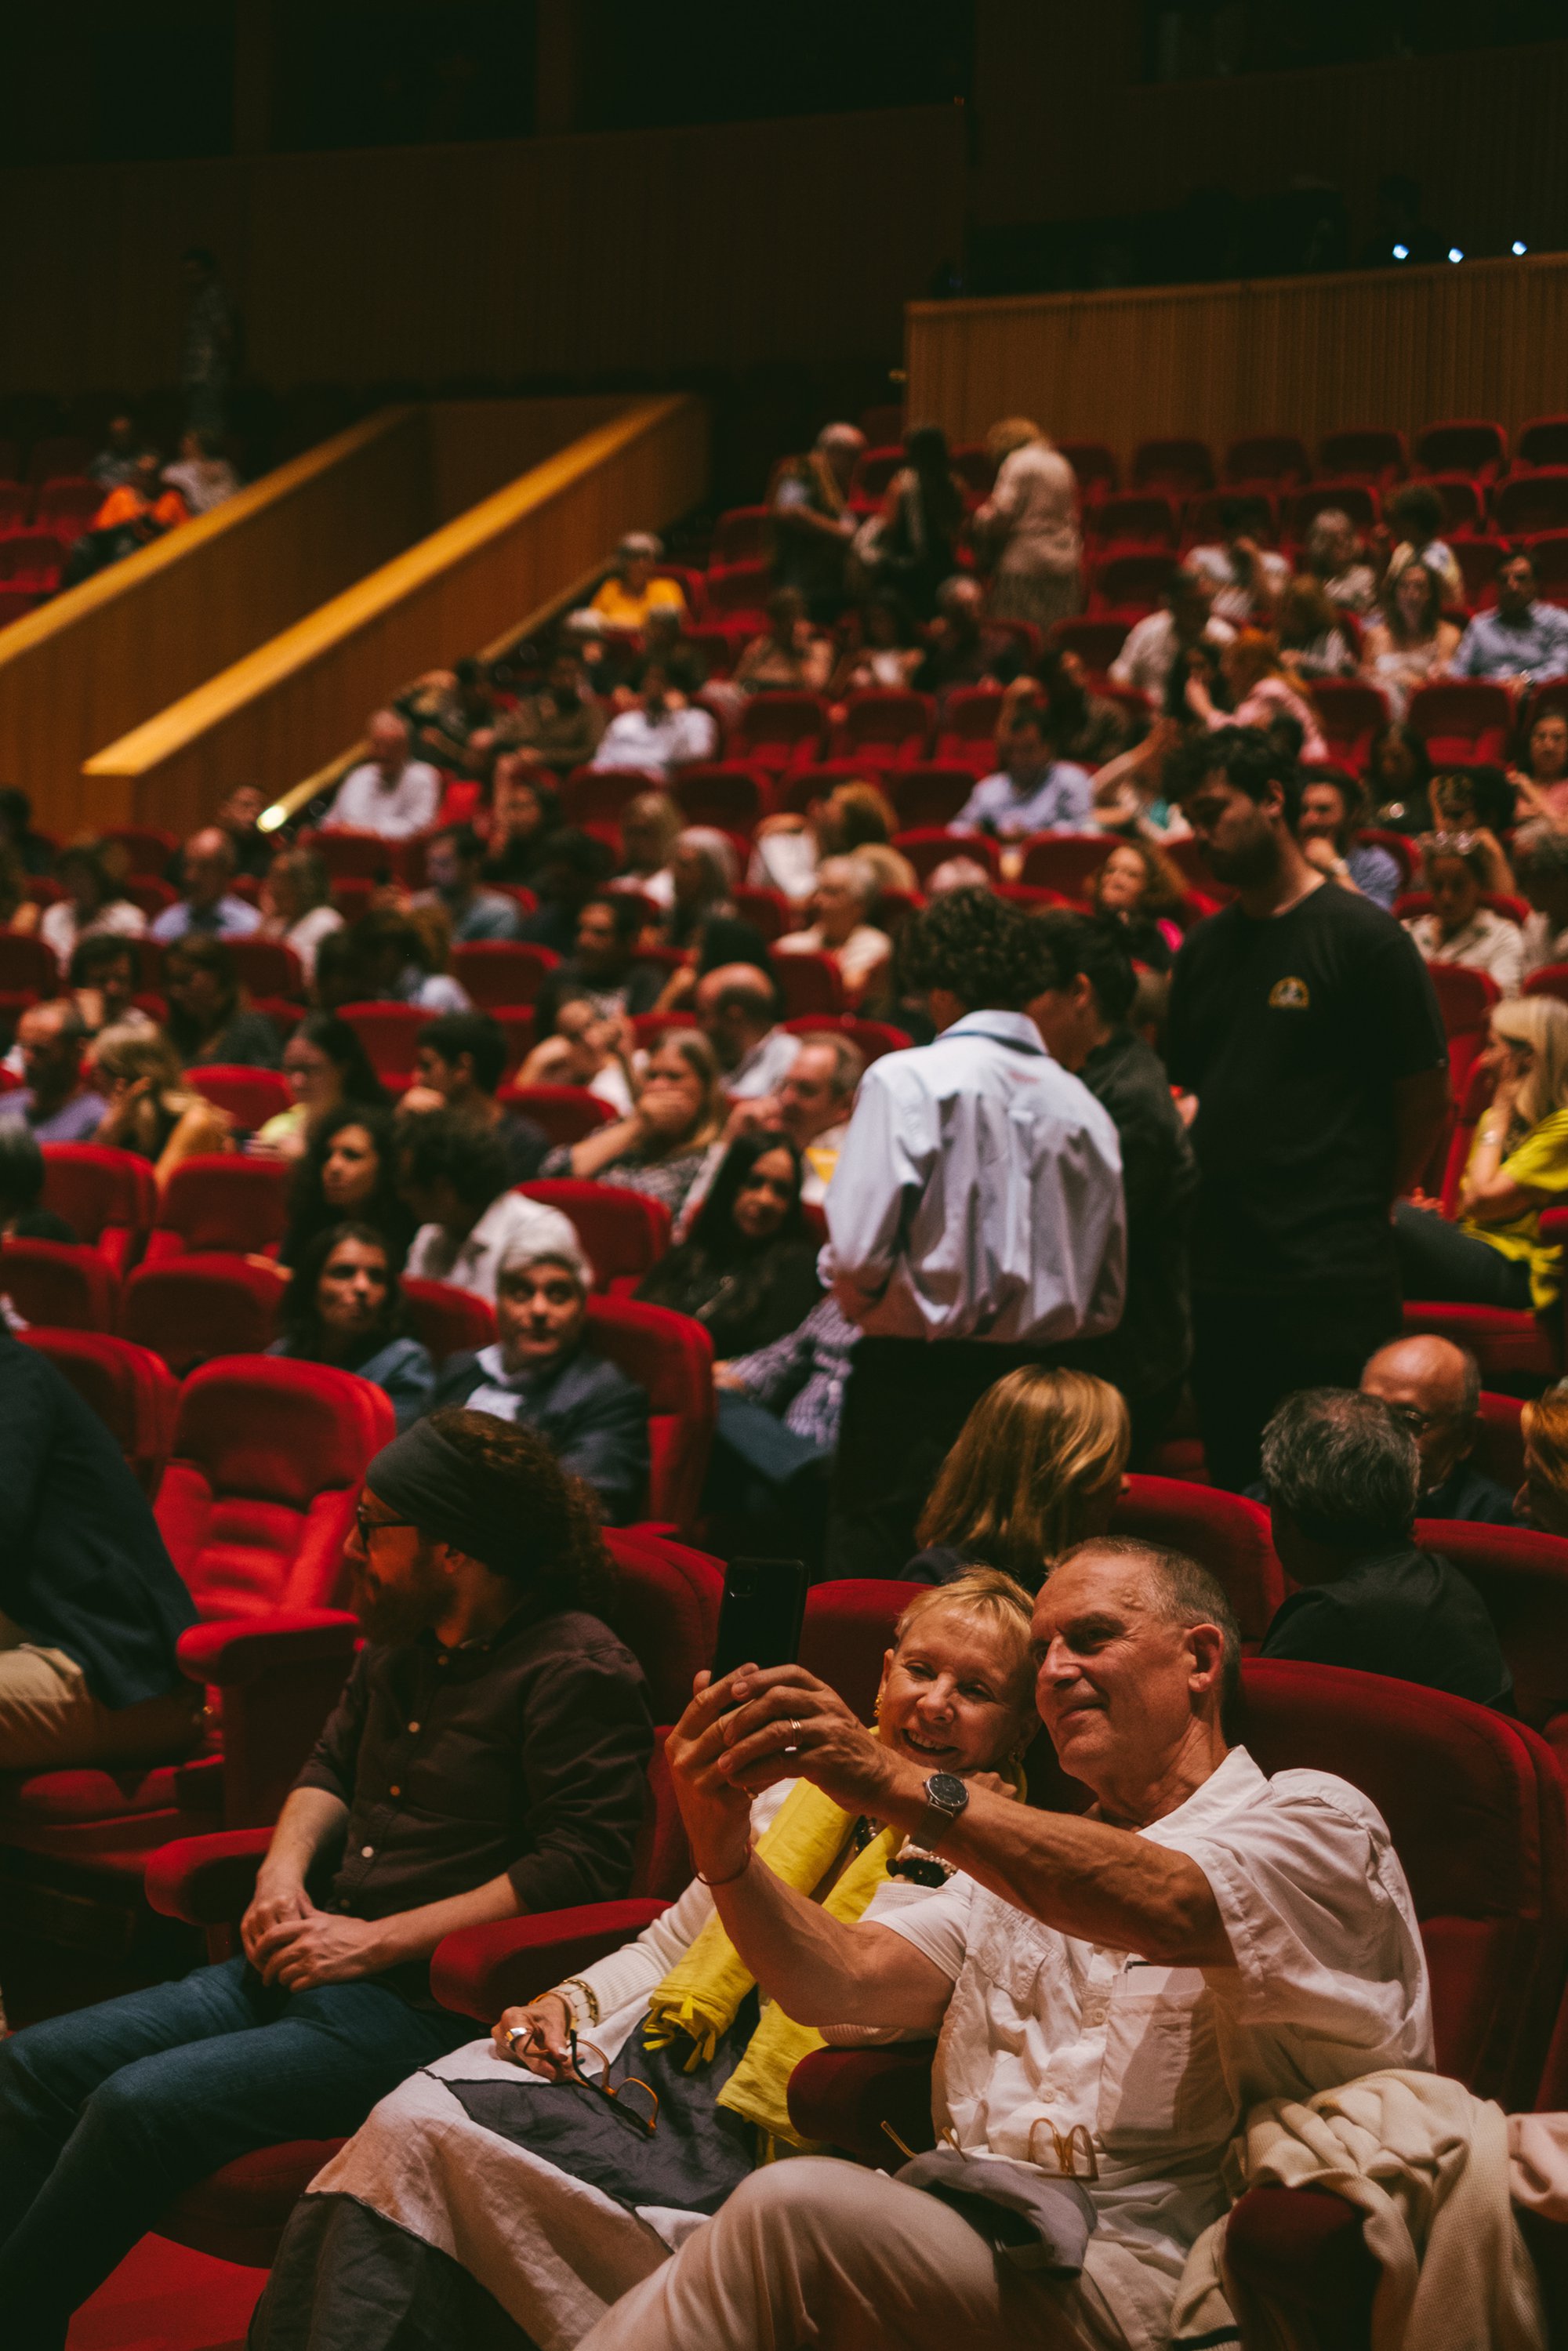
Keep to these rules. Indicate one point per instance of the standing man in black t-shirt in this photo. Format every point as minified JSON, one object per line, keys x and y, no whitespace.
{"x":1302,"y":1018}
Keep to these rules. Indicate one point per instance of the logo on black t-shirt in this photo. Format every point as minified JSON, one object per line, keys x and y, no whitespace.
{"x":1290,"y":995}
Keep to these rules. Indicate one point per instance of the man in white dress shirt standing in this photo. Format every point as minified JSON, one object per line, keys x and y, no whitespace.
{"x":1127,"y":1983}
{"x":975,"y":1220}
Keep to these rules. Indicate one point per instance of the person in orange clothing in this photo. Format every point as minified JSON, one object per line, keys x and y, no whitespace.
{"x":132,"y":515}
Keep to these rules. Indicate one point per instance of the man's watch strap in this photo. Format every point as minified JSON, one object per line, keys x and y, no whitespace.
{"x":946,"y":1797}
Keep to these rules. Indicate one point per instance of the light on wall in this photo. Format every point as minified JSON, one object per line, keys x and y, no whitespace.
{"x":1517,"y":246}
{"x":1455,"y":253}
{"x":1401,"y":253}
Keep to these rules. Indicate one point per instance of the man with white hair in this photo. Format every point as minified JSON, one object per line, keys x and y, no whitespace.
{"x":847,"y":889}
{"x":1113,"y":1990}
{"x":737,"y":1009}
{"x":812,"y":524}
{"x":388,"y":793}
{"x":542,"y":1373}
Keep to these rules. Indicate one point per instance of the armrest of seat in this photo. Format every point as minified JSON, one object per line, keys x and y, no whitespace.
{"x":484,"y":1969}
{"x":206,"y":1880}
{"x":841,"y":2097}
{"x":1304,"y":2247}
{"x":235,"y":1650}
{"x":1554,"y":1225}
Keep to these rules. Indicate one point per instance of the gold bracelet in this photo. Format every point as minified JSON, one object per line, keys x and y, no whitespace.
{"x":562,"y":1991}
{"x":734,"y":1873}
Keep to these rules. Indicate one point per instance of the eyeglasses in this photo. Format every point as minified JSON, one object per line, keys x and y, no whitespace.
{"x":367,"y":1526}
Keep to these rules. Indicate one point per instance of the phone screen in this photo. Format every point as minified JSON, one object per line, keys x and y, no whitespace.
{"x":759,"y":1619}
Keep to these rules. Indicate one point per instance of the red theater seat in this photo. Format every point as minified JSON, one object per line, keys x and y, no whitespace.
{"x":250,"y":1096}
{"x":1096,"y":466}
{"x":28,"y":969}
{"x":1278,"y":458}
{"x":966,"y":731}
{"x":353,"y":856}
{"x":148,"y":848}
{"x":1356,"y":499}
{"x":1096,"y":642}
{"x":130,"y":1388}
{"x":927,"y":849}
{"x":1528,"y":503}
{"x":782,"y":731}
{"x":595,"y":796}
{"x":1542,"y":442}
{"x":928,"y":795}
{"x":108,"y":1198}
{"x":1185,"y":467}
{"x":387,"y":1032}
{"x":66,"y":1285}
{"x":725,"y":793}
{"x":502,"y":971}
{"x":846,"y":1633}
{"x":741,"y":535}
{"x":888,"y":730}
{"x":1131,"y":583}
{"x":446,"y":1320}
{"x":874,"y":1038}
{"x":1462,"y":444}
{"x":1374,"y":453}
{"x":196,"y":1307}
{"x":1350,"y":713}
{"x":809,"y":983}
{"x":623,"y":1231}
{"x":1135,"y":518}
{"x":566,"y":1114}
{"x":220,"y":1200}
{"x":666,"y":1613}
{"x":1063,"y":862}
{"x":670,"y":1357}
{"x":1226,"y":1533}
{"x":1549,"y":979}
{"x":1522,"y":1576}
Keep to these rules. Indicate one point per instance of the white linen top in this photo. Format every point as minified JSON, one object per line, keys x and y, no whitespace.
{"x":978,"y":1195}
{"x":1490,"y":943}
{"x":366,"y":802}
{"x":1036,"y":494}
{"x":1150,"y":648}
{"x":475,"y":1263}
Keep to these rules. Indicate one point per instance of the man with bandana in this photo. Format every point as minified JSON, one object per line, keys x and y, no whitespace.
{"x":487,"y":1760}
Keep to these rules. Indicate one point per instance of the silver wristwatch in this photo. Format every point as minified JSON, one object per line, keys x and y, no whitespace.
{"x":946,"y":1797}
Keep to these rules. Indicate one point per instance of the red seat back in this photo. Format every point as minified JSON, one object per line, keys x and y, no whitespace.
{"x":108,"y":1198}
{"x":848,"y":1632}
{"x":970,"y":716}
{"x":887,"y":726}
{"x":250,"y":1096}
{"x":809,"y":983}
{"x":927,"y":849}
{"x":502,"y":971}
{"x":1224,"y":1532}
{"x":725,"y":793}
{"x":27,"y":968}
{"x":264,"y":1473}
{"x":666,"y":1612}
{"x":358,"y":856}
{"x":1094,"y":463}
{"x":1531,"y":502}
{"x":147,"y":847}
{"x":1064,"y":862}
{"x":446,"y":1320}
{"x":1132,"y":582}
{"x":220,"y":1200}
{"x":1551,"y":979}
{"x":928,"y":795}
{"x":1184,"y":465}
{"x":1465,"y":998}
{"x":1542,"y":442}
{"x":1475,"y":1807}
{"x":1351,"y":713}
{"x":874,"y":1038}
{"x":130,"y":1388}
{"x":387,"y":1032}
{"x":195,"y":1308}
{"x":624,"y":1232}
{"x":66,"y":1285}
{"x":1096,"y":642}
{"x":1500,"y":1441}
{"x":267,"y":966}
{"x":1364,"y":453}
{"x":1277,"y":457}
{"x":1522,"y":1576}
{"x":670,"y":1357}
{"x":1462,"y":444}
{"x":1135,"y":519}
{"x":782,"y":730}
{"x":1463,"y":720}
{"x":566,"y":1114}
{"x":1356,"y":499}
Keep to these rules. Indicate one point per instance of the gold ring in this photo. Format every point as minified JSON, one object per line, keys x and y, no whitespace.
{"x":794,"y":1745}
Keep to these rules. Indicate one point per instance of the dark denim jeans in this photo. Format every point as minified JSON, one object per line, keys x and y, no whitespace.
{"x":106,"y":2116}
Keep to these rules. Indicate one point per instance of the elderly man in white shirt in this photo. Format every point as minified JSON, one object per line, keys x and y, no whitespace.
{"x":665,"y":729}
{"x":1126,"y":1983}
{"x":453,"y":1174}
{"x":388,"y":793}
{"x":975,"y":1220}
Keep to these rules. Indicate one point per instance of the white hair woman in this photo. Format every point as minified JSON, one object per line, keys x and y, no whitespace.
{"x":847,"y":891}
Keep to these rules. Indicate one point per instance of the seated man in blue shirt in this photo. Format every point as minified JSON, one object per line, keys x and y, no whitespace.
{"x":1032,"y":791}
{"x":1522,"y":638}
{"x":206,"y":904}
{"x":541,"y":1374}
{"x":453,"y":860}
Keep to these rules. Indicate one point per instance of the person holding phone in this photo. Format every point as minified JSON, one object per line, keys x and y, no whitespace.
{"x":483,"y":2180}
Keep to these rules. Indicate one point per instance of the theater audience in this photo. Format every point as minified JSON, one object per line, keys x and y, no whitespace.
{"x":1456,"y":867}
{"x":664,"y":1147}
{"x":676,"y":2009}
{"x":389,"y":959}
{"x":452,"y":1174}
{"x":349,"y":1174}
{"x":1541,"y":866}
{"x":23,"y":1215}
{"x":791,"y":657}
{"x":238,"y":815}
{"x":1398,"y":774}
{"x":853,"y":819}
{"x":543,"y":1372}
{"x":1327,"y":835}
{"x":295,"y":905}
{"x":389,"y":793}
{"x":1415,"y":513}
{"x":574,"y":866}
{"x":1029,"y":525}
{"x":746,"y":1269}
{"x":459,"y":1062}
{"x":1520,"y":638}
{"x":812,"y":526}
{"x":54,"y":1100}
{"x":525,"y":810}
{"x":451,"y":714}
{"x":116,"y":461}
{"x":209,"y":1019}
{"x":1086,"y":728}
{"x":1037,"y":1467}
{"x":1543,"y":1499}
{"x":882,"y":651}
{"x":1259,"y":693}
{"x":1493,"y":1254}
{"x":104,"y":978}
{"x":1247,"y":580}
{"x":91,"y":1605}
{"x":1033,"y":791}
{"x":664,"y":728}
{"x":132,"y":516}
{"x":588,"y":1048}
{"x":1313,"y":644}
{"x":1411,"y":644}
{"x":911,"y":544}
{"x":344,"y":1306}
{"x":604,"y":970}
{"x":1083,"y":1011}
{"x":207,"y":907}
{"x":326,"y":1066}
{"x":1332,"y":554}
{"x":558,"y":725}
{"x":737,"y":1009}
{"x":632,"y":592}
{"x":1543,"y":784}
{"x":962,"y":647}
{"x":650,"y":827}
{"x":202,"y":474}
{"x":1155,"y":648}
{"x":1302,"y":1018}
{"x":1139,"y":889}
{"x":1433,"y":1389}
{"x":89,"y":905}
{"x":481,"y":1581}
{"x":454,"y":859}
{"x":1342,"y":1475}
{"x":846,"y":892}
{"x":148,"y":1107}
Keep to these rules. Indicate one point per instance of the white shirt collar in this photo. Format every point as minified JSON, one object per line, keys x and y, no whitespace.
{"x":1003,"y":1028}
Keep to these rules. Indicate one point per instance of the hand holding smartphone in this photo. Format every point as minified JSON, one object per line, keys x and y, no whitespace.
{"x":761,"y":1615}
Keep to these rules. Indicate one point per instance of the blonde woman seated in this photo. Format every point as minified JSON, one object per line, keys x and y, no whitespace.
{"x":854,"y":821}
{"x":847,"y":890}
{"x":1455,"y":868}
{"x":1493,"y":1254}
{"x":666,"y":1143}
{"x":152,"y":1108}
{"x":1039,"y":1466}
{"x":485,"y":2180}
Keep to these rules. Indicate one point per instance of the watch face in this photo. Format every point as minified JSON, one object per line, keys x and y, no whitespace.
{"x":944,"y":1790}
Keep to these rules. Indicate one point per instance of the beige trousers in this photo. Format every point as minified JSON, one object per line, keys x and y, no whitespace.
{"x":49,"y":1719}
{"x":816,"y":2252}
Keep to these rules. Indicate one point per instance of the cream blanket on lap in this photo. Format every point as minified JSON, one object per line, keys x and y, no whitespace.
{"x":1426,"y":2166}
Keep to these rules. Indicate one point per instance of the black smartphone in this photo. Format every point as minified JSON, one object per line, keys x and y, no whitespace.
{"x":761,"y":1613}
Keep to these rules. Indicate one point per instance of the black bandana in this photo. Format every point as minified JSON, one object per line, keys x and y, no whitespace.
{"x":425,"y":1479}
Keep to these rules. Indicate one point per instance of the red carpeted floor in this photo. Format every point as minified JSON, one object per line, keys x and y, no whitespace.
{"x":164,"y":2298}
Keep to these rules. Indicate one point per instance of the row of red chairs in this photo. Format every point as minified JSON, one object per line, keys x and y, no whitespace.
{"x":1524,"y":506}
{"x":1376,"y":454}
{"x":63,"y":505}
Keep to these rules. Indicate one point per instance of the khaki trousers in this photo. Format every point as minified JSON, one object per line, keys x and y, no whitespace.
{"x":816,"y":2252}
{"x":50,"y":1720}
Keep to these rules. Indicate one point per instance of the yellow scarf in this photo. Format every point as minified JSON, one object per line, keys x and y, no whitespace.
{"x":702,"y":1993}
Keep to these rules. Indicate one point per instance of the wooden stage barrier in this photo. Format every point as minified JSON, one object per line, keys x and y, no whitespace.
{"x":1307,"y":355}
{"x":285,"y":710}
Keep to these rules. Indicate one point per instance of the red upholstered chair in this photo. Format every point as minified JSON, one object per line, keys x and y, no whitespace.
{"x":31,"y":558}
{"x":108,"y":1198}
{"x":1225,"y":1533}
{"x":848,"y":1631}
{"x":1531,"y":502}
{"x":966,"y":729}
{"x":809,"y":983}
{"x":267,"y":966}
{"x":1096,"y":642}
{"x":927,"y":850}
{"x":1356,"y":499}
{"x":1135,"y":518}
{"x":130,"y":1388}
{"x":1550,"y":979}
{"x":1542,"y":442}
{"x":196,"y":1307}
{"x":387,"y":1032}
{"x":1463,"y":721}
{"x":1462,"y":500}
{"x":782,"y":731}
{"x":67,"y":505}
{"x":60,"y":456}
{"x":220,"y":1200}
{"x":1499,"y":1440}
{"x":1364,"y":453}
{"x":1522,"y":1576}
{"x":502,"y":971}
{"x":566,"y":1114}
{"x":1185,"y":467}
{"x":28,"y":969}
{"x":446,"y":1320}
{"x":1480,"y":561}
{"x":352,"y":856}
{"x":1063,"y":862}
{"x":250,"y":1096}
{"x":624,"y":1232}
{"x":888,"y":730}
{"x":874,"y":470}
{"x":1462,"y":444}
{"x":670,"y":1357}
{"x":147,"y":847}
{"x":1130,"y":582}
{"x":1096,"y":466}
{"x":64,"y":1284}
{"x":740,"y":536}
{"x":1276,"y":458}
{"x":723,"y":792}
{"x":1350,"y":713}
{"x":597,"y":795}
{"x":768,"y":910}
{"x":667,"y":1611}
{"x":874,"y":1038}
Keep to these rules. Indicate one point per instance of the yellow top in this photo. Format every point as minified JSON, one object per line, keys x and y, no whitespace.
{"x":617,"y":610}
{"x":1539,"y":1162}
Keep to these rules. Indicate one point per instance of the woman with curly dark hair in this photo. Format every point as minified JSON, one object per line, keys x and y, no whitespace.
{"x":976,"y":1219}
{"x":344,"y":1306}
{"x":748,"y":1269}
{"x":349,"y":1170}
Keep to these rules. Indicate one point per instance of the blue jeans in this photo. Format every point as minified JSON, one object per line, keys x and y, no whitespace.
{"x":107,"y":2115}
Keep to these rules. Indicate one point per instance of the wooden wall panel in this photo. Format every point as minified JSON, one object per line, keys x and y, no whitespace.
{"x":477,"y":445}
{"x":292,"y":706}
{"x":87,"y":666}
{"x":1399,"y":347}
